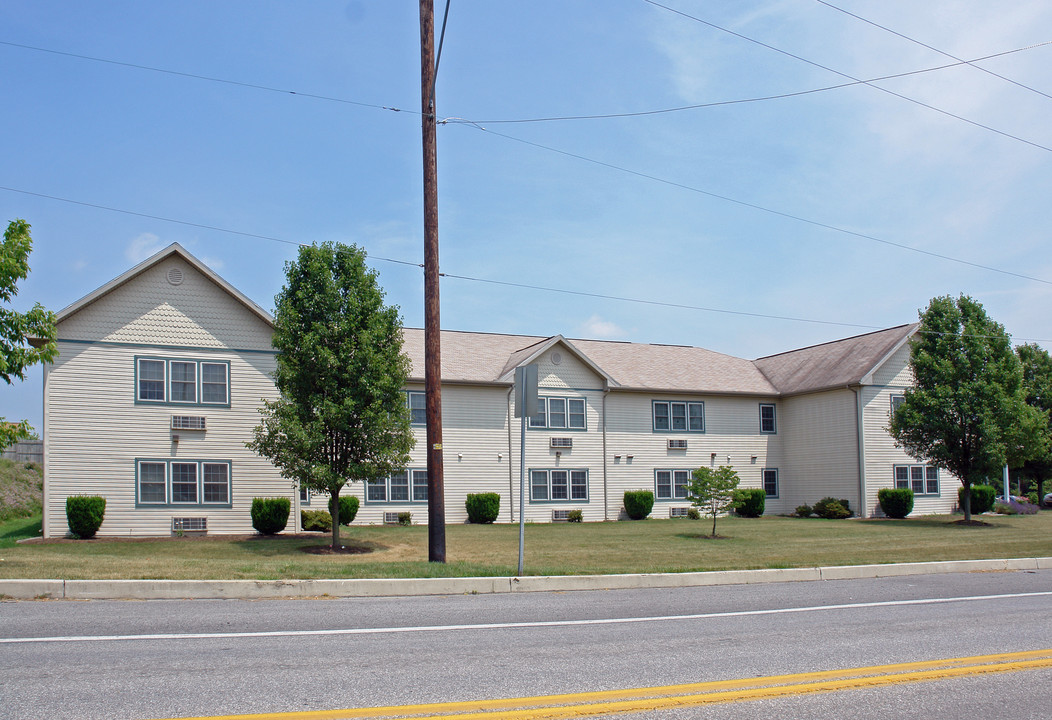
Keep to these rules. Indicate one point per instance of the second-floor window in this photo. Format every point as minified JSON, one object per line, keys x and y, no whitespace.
{"x":676,"y":416}
{"x":182,"y":382}
{"x":560,"y":413}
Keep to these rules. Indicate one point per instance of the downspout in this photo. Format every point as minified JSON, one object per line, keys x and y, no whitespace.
{"x":863,"y":506}
{"x":606,"y":503}
{"x":511,"y":476}
{"x":45,"y":528}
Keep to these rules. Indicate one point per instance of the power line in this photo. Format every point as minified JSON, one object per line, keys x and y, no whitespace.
{"x":850,"y":77}
{"x":208,"y":78}
{"x":469,"y":278}
{"x":754,"y":206}
{"x":946,"y":54}
{"x":718,"y":103}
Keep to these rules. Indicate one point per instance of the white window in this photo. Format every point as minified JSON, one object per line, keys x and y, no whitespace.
{"x":675,"y":416}
{"x":560,"y":413}
{"x":770,"y":482}
{"x":671,"y":484}
{"x":405,"y":486}
{"x":922,"y":479}
{"x":768,"y":421}
{"x":558,"y":485}
{"x":417,"y":402}
{"x":183,"y":482}
{"x":896,"y":402}
{"x":182,"y":382}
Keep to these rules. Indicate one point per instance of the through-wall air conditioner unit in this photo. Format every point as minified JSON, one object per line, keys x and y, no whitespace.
{"x":678,"y":512}
{"x":560,"y":515}
{"x":677,"y":444}
{"x":188,"y":422}
{"x":189,"y":524}
{"x":562,"y":443}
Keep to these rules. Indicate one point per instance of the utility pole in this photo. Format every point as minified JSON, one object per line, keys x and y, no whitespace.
{"x":436,"y":500}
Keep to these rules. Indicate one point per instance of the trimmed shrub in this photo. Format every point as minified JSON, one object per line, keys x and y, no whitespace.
{"x":693,"y":514}
{"x":982,"y":498}
{"x":84,"y":514}
{"x":896,"y":502}
{"x":405,"y":518}
{"x":270,"y":515}
{"x":575,"y":516}
{"x":831,"y":509}
{"x":348,"y":509}
{"x":847,"y":506}
{"x":1032,"y":498}
{"x":638,"y":503}
{"x":315,"y":521}
{"x":750,"y":501}
{"x":482,"y":507}
{"x":804,"y":510}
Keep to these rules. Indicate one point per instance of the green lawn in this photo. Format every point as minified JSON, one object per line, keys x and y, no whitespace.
{"x":556,"y":549}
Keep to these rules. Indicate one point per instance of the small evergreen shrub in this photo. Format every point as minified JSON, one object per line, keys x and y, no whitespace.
{"x":751,"y":502}
{"x":896,"y":502}
{"x":831,"y":509}
{"x":348,"y":509}
{"x":270,"y":515}
{"x":804,"y":510}
{"x":847,"y":506}
{"x":405,"y":518}
{"x":482,"y":507}
{"x":638,"y":503}
{"x":315,"y":521}
{"x":982,"y":498}
{"x":575,"y":516}
{"x":1032,"y":497}
{"x":84,"y":514}
{"x":693,"y":514}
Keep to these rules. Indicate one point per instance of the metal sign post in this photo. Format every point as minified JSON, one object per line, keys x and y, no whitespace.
{"x":525,"y":407}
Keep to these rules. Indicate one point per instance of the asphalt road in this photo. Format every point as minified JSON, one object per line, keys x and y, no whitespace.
{"x":173,"y":659}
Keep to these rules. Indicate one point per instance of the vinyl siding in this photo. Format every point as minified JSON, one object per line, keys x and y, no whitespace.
{"x":821,"y":448}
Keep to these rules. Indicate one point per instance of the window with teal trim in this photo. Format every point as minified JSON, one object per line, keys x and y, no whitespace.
{"x":178,"y":381}
{"x":557,"y":485}
{"x":417,"y":403}
{"x":678,"y":416}
{"x":179,"y":482}
{"x":671,"y":484}
{"x":405,"y":486}
{"x":560,"y":413}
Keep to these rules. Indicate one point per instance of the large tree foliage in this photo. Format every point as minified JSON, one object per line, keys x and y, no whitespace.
{"x":712,"y":491}
{"x":341,"y":415}
{"x":1037,"y":385}
{"x":16,"y":328}
{"x":967,"y":412}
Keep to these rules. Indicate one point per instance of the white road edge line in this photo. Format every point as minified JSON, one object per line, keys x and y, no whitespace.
{"x":512,"y":625}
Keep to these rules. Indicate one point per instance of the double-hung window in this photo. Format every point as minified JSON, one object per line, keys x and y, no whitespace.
{"x":922,"y":479}
{"x":770,"y":482}
{"x":671,"y":484}
{"x":417,"y":403}
{"x":404,"y":486}
{"x":560,"y":413}
{"x":676,"y":416}
{"x":768,"y":419}
{"x":182,"y":382}
{"x":183,"y":482}
{"x":558,"y":485}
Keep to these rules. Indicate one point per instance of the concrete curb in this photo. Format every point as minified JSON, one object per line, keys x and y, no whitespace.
{"x":261,"y":589}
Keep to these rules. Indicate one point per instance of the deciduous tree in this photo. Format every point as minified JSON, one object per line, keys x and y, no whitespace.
{"x":17,"y":328}
{"x":1037,"y":384}
{"x":341,"y":415}
{"x":712,"y":491}
{"x":967,"y":412}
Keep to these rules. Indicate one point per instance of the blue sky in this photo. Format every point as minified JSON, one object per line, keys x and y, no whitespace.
{"x":624,"y":207}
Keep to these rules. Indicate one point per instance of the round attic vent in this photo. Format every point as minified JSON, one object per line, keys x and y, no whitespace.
{"x":175,"y":276}
{"x":557,"y":358}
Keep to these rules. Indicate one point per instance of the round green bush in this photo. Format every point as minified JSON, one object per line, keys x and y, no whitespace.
{"x":751,"y":502}
{"x":982,"y":498}
{"x":575,"y":516}
{"x":896,"y":502}
{"x":84,"y":514}
{"x":831,"y":509}
{"x":638,"y":503}
{"x":315,"y":521}
{"x":270,"y":515}
{"x":804,"y":510}
{"x":482,"y":507}
{"x":348,"y":509}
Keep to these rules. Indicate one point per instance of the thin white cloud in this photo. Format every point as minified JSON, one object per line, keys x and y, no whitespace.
{"x":598,"y":329}
{"x":143,"y":247}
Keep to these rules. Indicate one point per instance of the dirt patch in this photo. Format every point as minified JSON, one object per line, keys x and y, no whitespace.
{"x":972,"y":523}
{"x":341,"y":550}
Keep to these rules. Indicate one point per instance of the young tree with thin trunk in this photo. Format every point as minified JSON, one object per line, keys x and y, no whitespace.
{"x":967,"y":412}
{"x":341,"y":415}
{"x":25,"y":338}
{"x":712,"y":491}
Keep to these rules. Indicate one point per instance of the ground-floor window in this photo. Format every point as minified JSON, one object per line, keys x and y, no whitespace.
{"x":182,"y":482}
{"x":770,"y":482}
{"x":405,"y":486}
{"x":671,"y":484}
{"x":922,"y":479}
{"x":558,"y":485}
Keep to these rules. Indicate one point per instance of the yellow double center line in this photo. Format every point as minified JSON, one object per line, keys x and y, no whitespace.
{"x":680,"y":696}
